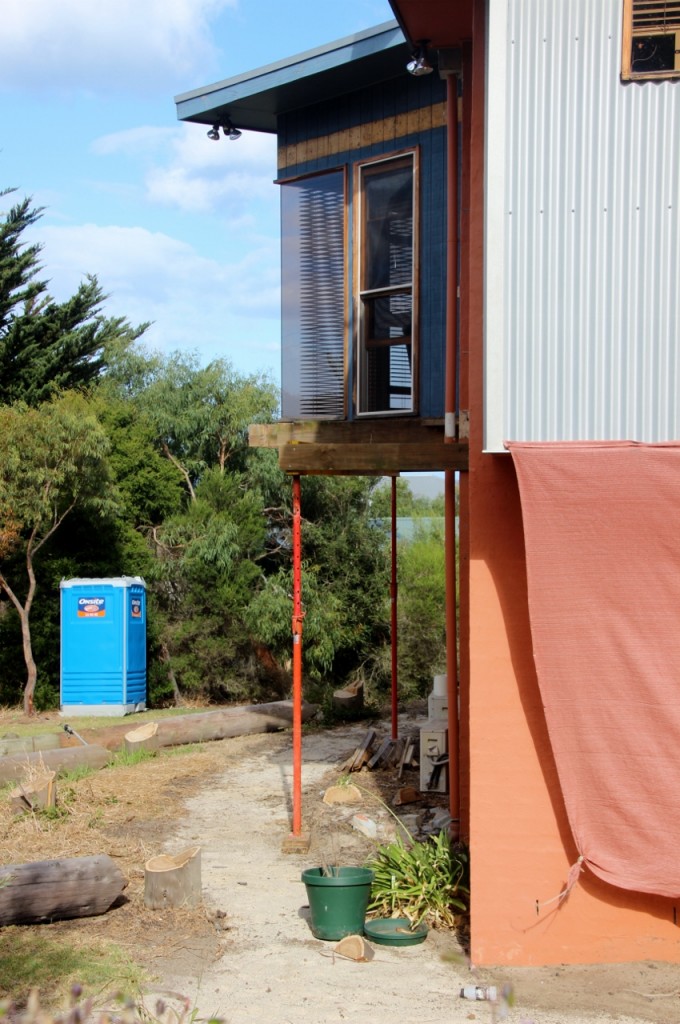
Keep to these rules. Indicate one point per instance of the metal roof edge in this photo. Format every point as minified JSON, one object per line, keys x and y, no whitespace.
{"x":284,"y":73}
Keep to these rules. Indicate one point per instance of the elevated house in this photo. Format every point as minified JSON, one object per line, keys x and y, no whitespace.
{"x":480,"y":274}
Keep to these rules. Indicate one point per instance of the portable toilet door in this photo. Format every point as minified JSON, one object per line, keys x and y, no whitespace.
{"x":103,"y":646}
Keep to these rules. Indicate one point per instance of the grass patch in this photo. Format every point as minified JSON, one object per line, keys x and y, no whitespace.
{"x":30,"y":959}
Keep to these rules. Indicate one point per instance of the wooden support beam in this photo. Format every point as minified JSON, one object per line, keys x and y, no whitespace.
{"x":377,"y":459}
{"x":397,"y":430}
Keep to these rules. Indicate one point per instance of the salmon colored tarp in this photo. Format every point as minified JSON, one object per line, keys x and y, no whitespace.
{"x":602,"y":534}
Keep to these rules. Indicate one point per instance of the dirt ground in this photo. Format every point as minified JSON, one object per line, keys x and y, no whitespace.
{"x":247,"y":954}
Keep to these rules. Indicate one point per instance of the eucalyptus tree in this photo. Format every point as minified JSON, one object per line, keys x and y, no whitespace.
{"x":53,"y":459}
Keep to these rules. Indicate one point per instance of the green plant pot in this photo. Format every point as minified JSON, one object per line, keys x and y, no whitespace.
{"x":337,"y":900}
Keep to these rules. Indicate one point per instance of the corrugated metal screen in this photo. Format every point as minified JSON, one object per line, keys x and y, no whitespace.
{"x":583,"y":232}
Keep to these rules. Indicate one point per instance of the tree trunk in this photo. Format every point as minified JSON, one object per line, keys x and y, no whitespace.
{"x":48,"y":890}
{"x":164,"y":658}
{"x":17,"y":766}
{"x":277,"y":677}
{"x":173,"y":881}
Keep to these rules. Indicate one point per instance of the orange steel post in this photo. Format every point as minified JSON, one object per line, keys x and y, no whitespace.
{"x":297,"y":661}
{"x":393,"y":598}
{"x":449,"y":435}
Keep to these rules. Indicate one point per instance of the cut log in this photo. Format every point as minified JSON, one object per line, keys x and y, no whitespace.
{"x":350,"y":698}
{"x":223,"y":723}
{"x":173,"y":881}
{"x":48,"y":890}
{"x":34,"y":794}
{"x":143,"y":738}
{"x":19,"y":765}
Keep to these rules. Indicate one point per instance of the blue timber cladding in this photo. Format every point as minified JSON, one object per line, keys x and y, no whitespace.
{"x":316,"y":130}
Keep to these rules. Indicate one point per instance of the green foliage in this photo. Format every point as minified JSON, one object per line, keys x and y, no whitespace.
{"x":408,"y":504}
{"x":344,"y":581}
{"x":52,"y":460}
{"x":421,"y":610}
{"x":422,"y":881}
{"x":200,"y":415}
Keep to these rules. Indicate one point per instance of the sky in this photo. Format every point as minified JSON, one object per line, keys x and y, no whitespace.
{"x":180,"y":230}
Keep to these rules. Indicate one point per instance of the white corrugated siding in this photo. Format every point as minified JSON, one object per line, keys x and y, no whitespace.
{"x":582,"y":289}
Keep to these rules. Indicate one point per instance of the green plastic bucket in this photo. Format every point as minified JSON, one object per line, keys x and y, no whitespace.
{"x":337,"y":900}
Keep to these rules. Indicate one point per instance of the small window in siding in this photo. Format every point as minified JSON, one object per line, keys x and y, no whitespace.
{"x":313,"y":285}
{"x":651,"y":39}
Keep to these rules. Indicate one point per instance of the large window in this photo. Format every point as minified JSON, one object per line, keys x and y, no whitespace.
{"x":313,"y":297}
{"x":651,"y":39}
{"x":385,"y":246}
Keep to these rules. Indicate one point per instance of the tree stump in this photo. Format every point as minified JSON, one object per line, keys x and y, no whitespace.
{"x":34,"y":794}
{"x":173,"y":881}
{"x":47,"y":890}
{"x":351,"y":698}
{"x":144,"y":738}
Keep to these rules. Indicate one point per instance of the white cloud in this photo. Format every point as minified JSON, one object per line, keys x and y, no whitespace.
{"x":198,"y":175}
{"x":229,"y":308}
{"x":126,"y":45}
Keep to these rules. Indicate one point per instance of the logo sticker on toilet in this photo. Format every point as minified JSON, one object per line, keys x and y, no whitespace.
{"x":91,"y":607}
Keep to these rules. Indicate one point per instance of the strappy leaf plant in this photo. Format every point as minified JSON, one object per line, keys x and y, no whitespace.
{"x":425,"y":882}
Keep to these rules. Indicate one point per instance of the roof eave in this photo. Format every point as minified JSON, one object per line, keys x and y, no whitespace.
{"x":255,"y":99}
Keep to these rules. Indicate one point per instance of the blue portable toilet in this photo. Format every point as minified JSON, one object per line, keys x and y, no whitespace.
{"x":103,"y":646}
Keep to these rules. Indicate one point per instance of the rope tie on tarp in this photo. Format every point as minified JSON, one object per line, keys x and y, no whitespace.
{"x":572,"y":878}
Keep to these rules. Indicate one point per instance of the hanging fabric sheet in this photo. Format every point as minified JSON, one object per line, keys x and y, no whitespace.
{"x":602,"y":535}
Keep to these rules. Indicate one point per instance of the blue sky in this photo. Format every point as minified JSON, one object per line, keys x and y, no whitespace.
{"x":179,"y":230}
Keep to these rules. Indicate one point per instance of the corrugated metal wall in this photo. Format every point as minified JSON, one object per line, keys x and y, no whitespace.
{"x":583,"y":316}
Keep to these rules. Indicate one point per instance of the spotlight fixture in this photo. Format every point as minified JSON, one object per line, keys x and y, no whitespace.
{"x":419,"y":64}
{"x":214,"y":133}
{"x":231,"y":132}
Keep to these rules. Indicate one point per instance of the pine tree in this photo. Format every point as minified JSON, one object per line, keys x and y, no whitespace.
{"x":47,"y":346}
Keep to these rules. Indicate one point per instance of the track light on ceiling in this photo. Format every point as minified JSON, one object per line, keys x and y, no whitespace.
{"x":419,"y":64}
{"x":229,"y":131}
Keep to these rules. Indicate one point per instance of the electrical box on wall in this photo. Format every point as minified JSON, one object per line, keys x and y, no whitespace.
{"x":434,"y":762}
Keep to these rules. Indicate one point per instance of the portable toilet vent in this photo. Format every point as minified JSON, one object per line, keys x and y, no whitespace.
{"x":103,"y":646}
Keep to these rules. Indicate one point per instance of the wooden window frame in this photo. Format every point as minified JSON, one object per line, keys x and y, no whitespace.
{"x":638,"y":22}
{"x":359,"y":241}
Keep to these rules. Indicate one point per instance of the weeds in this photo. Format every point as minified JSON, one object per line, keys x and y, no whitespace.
{"x":29,"y":960}
{"x":124,"y":1011}
{"x":424,"y":881}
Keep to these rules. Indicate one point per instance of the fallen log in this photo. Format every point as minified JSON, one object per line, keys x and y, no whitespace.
{"x":48,"y":890}
{"x":17,"y":766}
{"x":220,"y":724}
{"x":229,"y":722}
{"x":29,"y":744}
{"x":173,"y":881}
